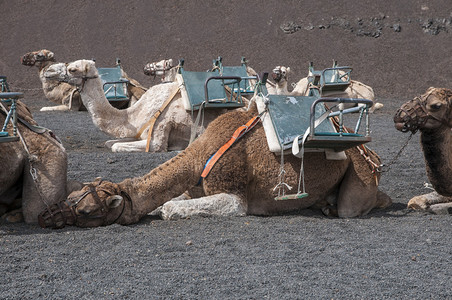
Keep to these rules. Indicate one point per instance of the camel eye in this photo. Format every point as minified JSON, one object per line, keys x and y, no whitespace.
{"x":436,"y":106}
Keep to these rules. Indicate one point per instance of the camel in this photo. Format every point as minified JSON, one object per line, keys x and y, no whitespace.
{"x":431,"y":114}
{"x":172,"y":130}
{"x":46,"y":159}
{"x":242,"y":182}
{"x":164,"y":68}
{"x":63,"y":93}
{"x":356,"y":89}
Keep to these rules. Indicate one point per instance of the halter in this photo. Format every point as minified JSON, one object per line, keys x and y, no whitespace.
{"x":277,"y":74}
{"x":67,"y":209}
{"x":153,"y":69}
{"x":416,"y":115}
{"x":66,"y":78}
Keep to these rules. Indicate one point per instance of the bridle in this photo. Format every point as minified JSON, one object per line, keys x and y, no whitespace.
{"x":153,"y":69}
{"x":70,"y":205}
{"x":417,"y":115}
{"x":93,"y":190}
{"x":278,"y":74}
{"x":66,"y":78}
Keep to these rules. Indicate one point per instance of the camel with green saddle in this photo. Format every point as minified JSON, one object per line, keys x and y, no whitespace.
{"x":164,"y":119}
{"x":33,"y":163}
{"x":65,"y":95}
{"x":245,"y":180}
{"x":350,"y":89}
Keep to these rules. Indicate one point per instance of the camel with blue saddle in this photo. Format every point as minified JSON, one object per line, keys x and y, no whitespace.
{"x":169,"y":115}
{"x":239,"y":175}
{"x":119,"y":88}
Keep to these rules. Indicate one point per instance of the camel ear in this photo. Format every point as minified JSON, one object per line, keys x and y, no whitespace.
{"x":97,"y":181}
{"x":288,"y":70}
{"x":429,"y":89}
{"x":113,"y":201}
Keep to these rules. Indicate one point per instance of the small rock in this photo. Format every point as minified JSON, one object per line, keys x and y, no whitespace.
{"x":397,"y":27}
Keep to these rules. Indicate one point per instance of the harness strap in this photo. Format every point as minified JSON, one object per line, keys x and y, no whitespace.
{"x":154,"y":118}
{"x":238,"y":133}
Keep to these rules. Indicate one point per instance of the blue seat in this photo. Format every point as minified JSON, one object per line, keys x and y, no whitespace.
{"x":331,"y":79}
{"x":291,"y":116}
{"x":211,"y":90}
{"x":115,"y":87}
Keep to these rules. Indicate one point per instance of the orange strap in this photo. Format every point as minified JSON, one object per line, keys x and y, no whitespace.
{"x":238,"y":133}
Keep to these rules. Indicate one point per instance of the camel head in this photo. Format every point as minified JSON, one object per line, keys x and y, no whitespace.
{"x":99,"y":203}
{"x":57,"y":72}
{"x":280,"y":74}
{"x":160,"y":68}
{"x":430,"y":111}
{"x":74,"y":73}
{"x":39,"y":58}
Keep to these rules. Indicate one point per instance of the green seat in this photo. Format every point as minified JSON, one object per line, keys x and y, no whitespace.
{"x":291,"y":117}
{"x":211,"y":90}
{"x":240,"y":71}
{"x":11,"y":116}
{"x":331,"y":79}
{"x":115,"y":87}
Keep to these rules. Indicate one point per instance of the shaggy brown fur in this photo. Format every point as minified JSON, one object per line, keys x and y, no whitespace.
{"x":432,"y":115}
{"x":49,"y":160}
{"x":248,"y":171}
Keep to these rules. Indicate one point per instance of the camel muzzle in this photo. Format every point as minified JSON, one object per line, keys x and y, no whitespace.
{"x":277,"y":76}
{"x":57,"y":216}
{"x":28,"y":60}
{"x":411,"y":116}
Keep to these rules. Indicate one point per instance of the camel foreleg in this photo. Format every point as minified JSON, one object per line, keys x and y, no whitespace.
{"x":214,"y":205}
{"x":61,"y":107}
{"x":432,"y":202}
{"x":128,"y":146}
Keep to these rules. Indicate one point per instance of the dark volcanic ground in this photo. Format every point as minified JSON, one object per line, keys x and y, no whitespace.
{"x":399,"y":48}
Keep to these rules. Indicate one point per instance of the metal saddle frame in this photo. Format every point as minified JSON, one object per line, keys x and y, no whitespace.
{"x":220,"y":87}
{"x":9,"y":98}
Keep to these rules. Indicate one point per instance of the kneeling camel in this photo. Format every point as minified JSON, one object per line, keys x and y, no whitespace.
{"x":241,"y":182}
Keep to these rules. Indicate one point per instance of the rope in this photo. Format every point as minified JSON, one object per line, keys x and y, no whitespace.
{"x":282,"y":176}
{"x":34,"y":174}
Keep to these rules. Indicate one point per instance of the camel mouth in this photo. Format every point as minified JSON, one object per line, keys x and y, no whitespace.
{"x":57,"y":216}
{"x":277,"y":76}
{"x":400,"y":126}
{"x":149,"y":70}
{"x":404,"y":123}
{"x":158,"y":69}
{"x":28,"y":60}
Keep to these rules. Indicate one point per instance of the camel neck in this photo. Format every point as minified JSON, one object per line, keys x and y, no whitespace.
{"x":107,"y":118}
{"x":162,"y":184}
{"x":436,"y":148}
{"x":281,"y":89}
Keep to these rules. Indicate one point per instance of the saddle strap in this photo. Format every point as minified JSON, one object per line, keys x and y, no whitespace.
{"x":34,"y":128}
{"x":154,"y":118}
{"x":238,"y":133}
